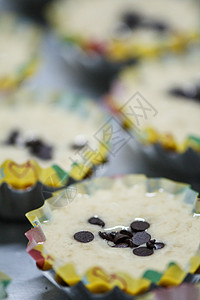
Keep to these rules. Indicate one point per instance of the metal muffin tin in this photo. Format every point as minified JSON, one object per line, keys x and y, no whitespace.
{"x":15,"y":203}
{"x":79,"y":291}
{"x":157,"y":161}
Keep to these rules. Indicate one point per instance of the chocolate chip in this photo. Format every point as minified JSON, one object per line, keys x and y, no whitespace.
{"x":96,"y":221}
{"x":39,"y":149}
{"x":140,"y":238}
{"x":130,"y":244}
{"x":77,"y":146}
{"x":192,"y":92}
{"x":35,"y":144}
{"x":158,"y":245}
{"x":45,"y":152}
{"x":108,"y":236}
{"x":180,"y":92}
{"x":105,"y":236}
{"x":155,"y":25}
{"x":139,"y":225}
{"x":132,"y":20}
{"x":84,"y":236}
{"x":120,"y":238}
{"x":126,"y":232}
{"x":12,"y":138}
{"x":143,"y":251}
{"x":159,"y":26}
{"x":151,"y":244}
{"x":112,"y":235}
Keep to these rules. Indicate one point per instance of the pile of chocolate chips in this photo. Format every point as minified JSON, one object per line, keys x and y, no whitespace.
{"x":35,"y":146}
{"x":132,"y":238}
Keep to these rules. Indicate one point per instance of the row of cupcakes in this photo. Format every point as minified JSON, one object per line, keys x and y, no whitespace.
{"x":124,"y":30}
{"x":120,"y":32}
{"x":50,"y":141}
{"x":26,"y":138}
{"x":134,"y":231}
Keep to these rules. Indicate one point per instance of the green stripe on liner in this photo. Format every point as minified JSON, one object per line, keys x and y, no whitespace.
{"x":152,"y":184}
{"x":153,"y":276}
{"x":63,"y":176}
{"x":4,"y":281}
{"x":71,"y":39}
{"x":190,"y":197}
{"x":45,"y":218}
{"x":194,"y":139}
{"x":171,"y":264}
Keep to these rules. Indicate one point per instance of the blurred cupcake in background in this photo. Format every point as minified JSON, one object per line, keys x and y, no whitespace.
{"x":19,"y":42}
{"x":46,"y":139}
{"x":159,"y":103}
{"x":124,"y":30}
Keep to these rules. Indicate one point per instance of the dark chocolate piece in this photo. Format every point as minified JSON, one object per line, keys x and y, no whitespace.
{"x":105,"y":236}
{"x":143,"y":251}
{"x":83,"y":236}
{"x":108,"y":236}
{"x":140,"y":238}
{"x":151,"y":244}
{"x":113,"y":235}
{"x":126,"y":232}
{"x":159,"y":26}
{"x":132,"y":20}
{"x":96,"y":221}
{"x":139,"y":225}
{"x":130,"y":243}
{"x":40,"y":149}
{"x":12,"y":138}
{"x":156,"y":25}
{"x":187,"y":92}
{"x":120,"y":238}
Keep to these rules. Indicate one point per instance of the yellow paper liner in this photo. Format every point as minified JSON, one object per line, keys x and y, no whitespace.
{"x":96,"y":279}
{"x":12,"y":81}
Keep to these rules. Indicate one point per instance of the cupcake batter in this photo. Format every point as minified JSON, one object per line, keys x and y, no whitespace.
{"x":170,"y":221}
